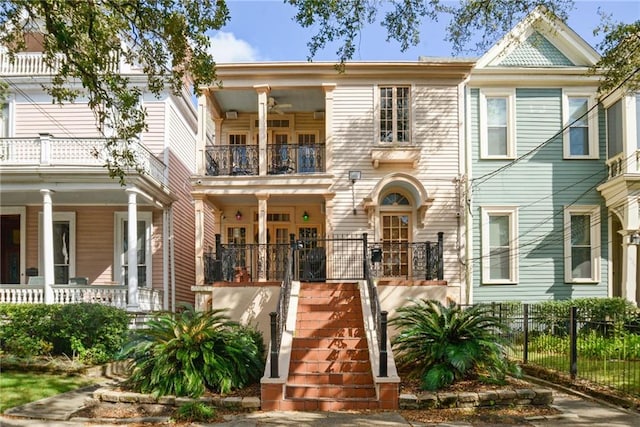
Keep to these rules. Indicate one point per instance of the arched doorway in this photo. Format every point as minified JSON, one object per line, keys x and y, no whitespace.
{"x":396,"y":211}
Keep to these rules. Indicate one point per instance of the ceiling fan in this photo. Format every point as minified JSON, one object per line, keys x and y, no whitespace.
{"x":274,"y":107}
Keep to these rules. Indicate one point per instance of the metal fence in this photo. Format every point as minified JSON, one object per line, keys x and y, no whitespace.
{"x":325,"y":258}
{"x":602,"y":349}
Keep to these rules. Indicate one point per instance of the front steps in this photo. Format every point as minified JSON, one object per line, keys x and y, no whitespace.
{"x":329,"y":368}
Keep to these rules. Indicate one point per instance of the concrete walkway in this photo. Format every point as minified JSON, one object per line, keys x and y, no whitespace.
{"x":57,"y":410}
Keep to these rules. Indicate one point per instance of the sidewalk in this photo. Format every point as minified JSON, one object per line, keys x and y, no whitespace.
{"x":57,"y":410}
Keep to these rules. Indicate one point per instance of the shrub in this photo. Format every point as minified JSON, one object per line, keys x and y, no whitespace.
{"x":184,"y":353}
{"x":443,"y":344}
{"x":195,"y":412}
{"x":92,"y":332}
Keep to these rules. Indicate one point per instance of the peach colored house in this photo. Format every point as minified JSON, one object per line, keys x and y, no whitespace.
{"x":66,"y":226}
{"x":305,"y":174}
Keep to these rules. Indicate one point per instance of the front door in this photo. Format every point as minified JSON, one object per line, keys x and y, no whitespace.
{"x":395,"y":244}
{"x":10,"y":249}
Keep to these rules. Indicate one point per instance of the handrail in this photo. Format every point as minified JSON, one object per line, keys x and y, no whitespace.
{"x":379,"y":316}
{"x":279,"y":317}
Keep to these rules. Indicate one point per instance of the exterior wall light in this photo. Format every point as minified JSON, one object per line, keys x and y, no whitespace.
{"x":634,"y":238}
{"x":238,"y":215}
{"x":353,"y":177}
{"x":305,"y":216}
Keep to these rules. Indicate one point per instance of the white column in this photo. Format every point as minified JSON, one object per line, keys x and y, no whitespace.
{"x":47,"y":245}
{"x":328,"y":124}
{"x":202,"y":134}
{"x":630,"y":252}
{"x":199,"y":226}
{"x":263,"y":92}
{"x":262,"y":235}
{"x":132,"y":253}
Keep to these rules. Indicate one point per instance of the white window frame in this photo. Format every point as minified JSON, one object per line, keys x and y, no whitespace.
{"x":410,"y":122}
{"x":119,"y":255}
{"x":592,"y":123}
{"x":70,"y":217}
{"x":512,"y":213}
{"x":510,"y":96}
{"x":594,"y":212}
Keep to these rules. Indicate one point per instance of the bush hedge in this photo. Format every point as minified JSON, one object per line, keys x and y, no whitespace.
{"x":91,"y":333}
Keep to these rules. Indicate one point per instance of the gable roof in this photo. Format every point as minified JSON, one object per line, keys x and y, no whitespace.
{"x":540,"y":40}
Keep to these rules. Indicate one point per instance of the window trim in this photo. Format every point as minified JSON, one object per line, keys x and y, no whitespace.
{"x":59,"y":216}
{"x":592,"y":124}
{"x":118,"y":255}
{"x":410,"y":119}
{"x":510,"y":95}
{"x":512,"y":213}
{"x":595,"y":230}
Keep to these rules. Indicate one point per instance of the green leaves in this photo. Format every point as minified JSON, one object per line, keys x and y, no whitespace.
{"x":185,"y":353}
{"x":442,"y":344}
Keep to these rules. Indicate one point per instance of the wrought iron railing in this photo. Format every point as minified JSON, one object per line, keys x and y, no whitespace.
{"x":326,"y":258}
{"x":224,"y":160}
{"x":410,"y":260}
{"x":279,"y":317}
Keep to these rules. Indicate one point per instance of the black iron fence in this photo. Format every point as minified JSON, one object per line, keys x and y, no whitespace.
{"x":600,"y":348}
{"x":281,"y":159}
{"x":325,"y":258}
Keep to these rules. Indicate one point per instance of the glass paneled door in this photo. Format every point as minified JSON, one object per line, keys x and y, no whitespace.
{"x":395,"y":244}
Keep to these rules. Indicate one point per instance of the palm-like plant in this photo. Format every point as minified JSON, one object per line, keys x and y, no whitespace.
{"x":443,"y":344}
{"x":185,"y":353}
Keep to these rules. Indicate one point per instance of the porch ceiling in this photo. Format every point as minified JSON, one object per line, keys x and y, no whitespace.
{"x":245,"y":100}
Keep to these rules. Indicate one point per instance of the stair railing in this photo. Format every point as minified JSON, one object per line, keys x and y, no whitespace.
{"x":279,"y":317}
{"x":379,"y":316}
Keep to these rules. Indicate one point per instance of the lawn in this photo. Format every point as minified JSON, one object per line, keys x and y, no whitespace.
{"x":18,"y":388}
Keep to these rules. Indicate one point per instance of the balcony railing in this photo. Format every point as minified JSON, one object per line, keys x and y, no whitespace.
{"x":33,"y":64}
{"x":112,"y":295}
{"x":50,"y":151}
{"x":621,"y":164}
{"x":321,"y":259}
{"x":281,"y":159}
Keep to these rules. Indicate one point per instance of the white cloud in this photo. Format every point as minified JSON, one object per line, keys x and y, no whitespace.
{"x":225,"y":47}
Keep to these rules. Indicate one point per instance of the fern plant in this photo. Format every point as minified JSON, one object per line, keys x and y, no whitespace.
{"x":442,"y":344}
{"x":185,"y":353}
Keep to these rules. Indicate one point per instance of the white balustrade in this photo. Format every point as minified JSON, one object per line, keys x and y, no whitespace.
{"x":21,"y":294}
{"x":33,"y":64}
{"x":51,"y":151}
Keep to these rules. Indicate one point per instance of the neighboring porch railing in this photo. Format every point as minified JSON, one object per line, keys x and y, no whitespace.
{"x":620,"y":164}
{"x":112,"y":295}
{"x":281,"y":159}
{"x":47,"y":150}
{"x":33,"y":64}
{"x":321,"y":259}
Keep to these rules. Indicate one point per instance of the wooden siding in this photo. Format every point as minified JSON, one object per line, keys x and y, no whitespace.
{"x":154,"y":137}
{"x":94,"y":241}
{"x":181,"y":141}
{"x":540,"y":185}
{"x":435,"y":132}
{"x":63,"y":121}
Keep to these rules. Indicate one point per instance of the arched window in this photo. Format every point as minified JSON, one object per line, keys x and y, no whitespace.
{"x":395,"y":199}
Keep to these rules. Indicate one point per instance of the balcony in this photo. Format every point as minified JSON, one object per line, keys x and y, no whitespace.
{"x":224,"y":160}
{"x":33,"y":64}
{"x":621,"y":164}
{"x":48,"y":151}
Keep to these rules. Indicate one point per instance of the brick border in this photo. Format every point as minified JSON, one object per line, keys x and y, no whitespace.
{"x":113,"y":396}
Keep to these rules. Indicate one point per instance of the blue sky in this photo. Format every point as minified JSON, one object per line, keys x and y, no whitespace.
{"x":264,"y":30}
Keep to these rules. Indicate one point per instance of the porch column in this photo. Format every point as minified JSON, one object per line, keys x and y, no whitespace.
{"x":132,"y":252}
{"x":263,"y":92}
{"x":199,"y":212}
{"x":202,"y":134}
{"x":630,"y":252}
{"x":262,"y":236}
{"x":47,"y":245}
{"x":328,"y":124}
{"x":328,"y":214}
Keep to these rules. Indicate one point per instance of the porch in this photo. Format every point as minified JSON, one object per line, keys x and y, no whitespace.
{"x":325,"y":259}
